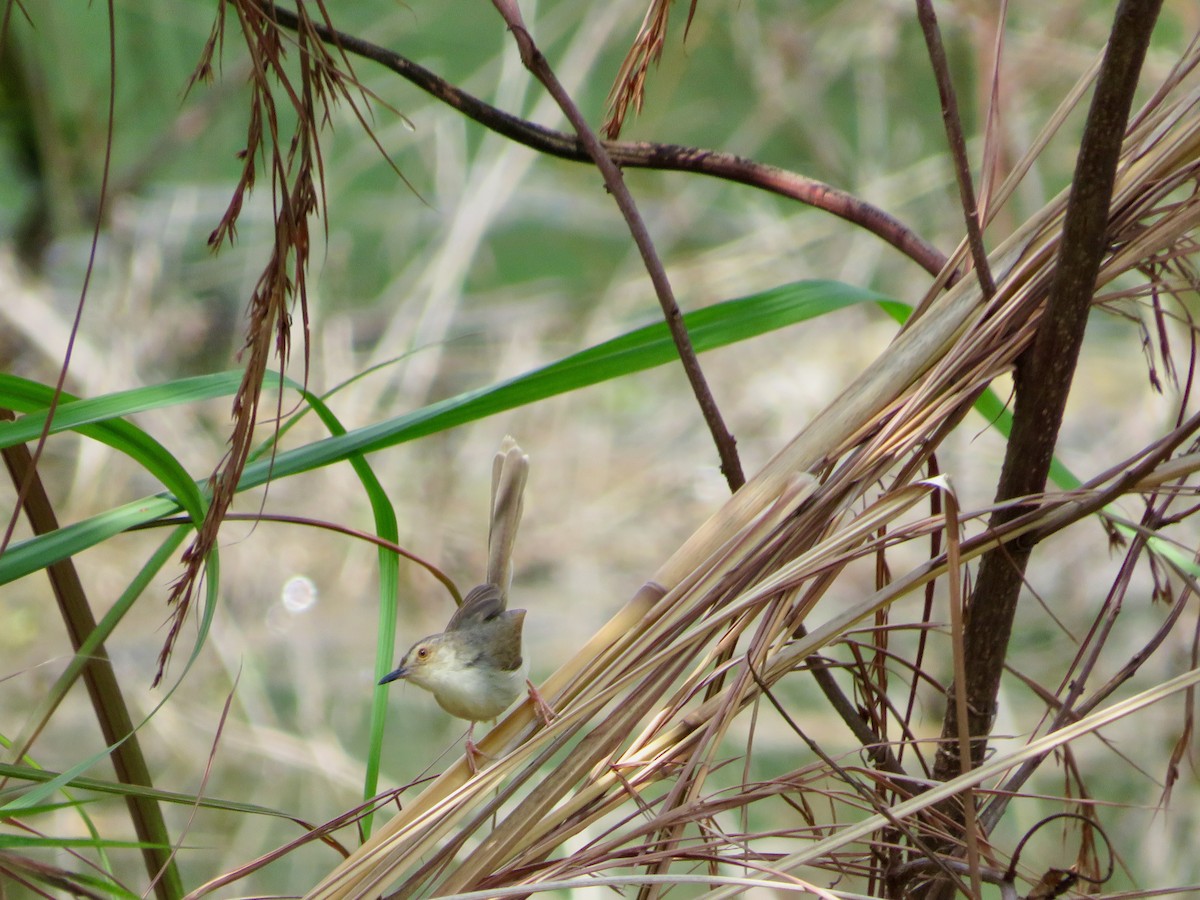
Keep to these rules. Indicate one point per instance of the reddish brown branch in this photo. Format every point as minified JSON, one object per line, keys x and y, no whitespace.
{"x":643,"y":154}
{"x":335,"y":527}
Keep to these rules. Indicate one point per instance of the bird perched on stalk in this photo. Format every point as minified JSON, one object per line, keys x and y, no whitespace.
{"x":476,"y":669}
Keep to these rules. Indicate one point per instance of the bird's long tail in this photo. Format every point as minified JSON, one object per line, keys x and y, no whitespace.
{"x":510,"y":469}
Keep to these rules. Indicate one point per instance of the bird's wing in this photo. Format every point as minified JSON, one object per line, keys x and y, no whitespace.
{"x":482,"y":604}
{"x":506,"y":639}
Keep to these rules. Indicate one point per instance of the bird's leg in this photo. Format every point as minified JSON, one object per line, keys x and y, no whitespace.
{"x":473,"y":751}
{"x":545,"y":713}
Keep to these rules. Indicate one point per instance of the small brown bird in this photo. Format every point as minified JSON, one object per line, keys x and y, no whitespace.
{"x":475,"y":669}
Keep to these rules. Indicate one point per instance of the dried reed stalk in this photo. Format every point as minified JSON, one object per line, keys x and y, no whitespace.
{"x":643,"y":704}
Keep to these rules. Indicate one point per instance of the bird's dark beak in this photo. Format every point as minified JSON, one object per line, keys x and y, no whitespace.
{"x":394,"y":676}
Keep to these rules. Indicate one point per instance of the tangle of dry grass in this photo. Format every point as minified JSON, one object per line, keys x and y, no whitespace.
{"x":648,"y":709}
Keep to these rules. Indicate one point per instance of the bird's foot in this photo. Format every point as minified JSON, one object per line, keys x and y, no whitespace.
{"x":473,"y":751}
{"x":545,"y":713}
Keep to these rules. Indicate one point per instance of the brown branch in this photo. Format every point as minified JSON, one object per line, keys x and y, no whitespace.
{"x":958,"y":144}
{"x":536,"y":63}
{"x":1044,"y":373}
{"x":104,"y":691}
{"x":643,"y":154}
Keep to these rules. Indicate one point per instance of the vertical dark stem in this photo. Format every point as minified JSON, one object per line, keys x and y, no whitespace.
{"x":1044,"y":373}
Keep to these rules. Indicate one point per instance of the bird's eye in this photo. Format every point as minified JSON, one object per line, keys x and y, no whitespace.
{"x":422,"y":652}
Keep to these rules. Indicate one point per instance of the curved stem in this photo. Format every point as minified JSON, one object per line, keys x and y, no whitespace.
{"x":642,"y":154}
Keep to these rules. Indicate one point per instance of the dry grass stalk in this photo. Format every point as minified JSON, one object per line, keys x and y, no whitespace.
{"x":296,"y":171}
{"x":630,"y":85}
{"x":636,"y":696}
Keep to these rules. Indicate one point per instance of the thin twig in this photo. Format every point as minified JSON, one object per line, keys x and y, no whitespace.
{"x":358,"y":534}
{"x":533,"y":59}
{"x":877,"y":749}
{"x":958,"y":144}
{"x":935,"y":859}
{"x":642,"y":154}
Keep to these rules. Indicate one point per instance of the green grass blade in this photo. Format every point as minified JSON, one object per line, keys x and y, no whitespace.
{"x":98,"y":635}
{"x":26,"y":396}
{"x":37,"y":795}
{"x":13,"y":772}
{"x":386,"y":527}
{"x":11,"y":841}
{"x":715,"y":326}
{"x":73,"y":413}
{"x":35,"y":554}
